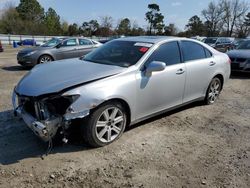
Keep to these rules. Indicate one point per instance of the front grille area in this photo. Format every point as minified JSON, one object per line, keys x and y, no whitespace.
{"x":37,"y":109}
{"x":235,"y":66}
{"x":45,"y":109}
{"x":241,"y":60}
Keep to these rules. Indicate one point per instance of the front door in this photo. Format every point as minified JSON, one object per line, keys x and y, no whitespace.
{"x":164,"y":89}
{"x":68,"y":49}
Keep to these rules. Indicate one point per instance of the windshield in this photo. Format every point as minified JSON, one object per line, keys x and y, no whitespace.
{"x":119,"y":53}
{"x":244,"y":45}
{"x":210,"y":40}
{"x":52,"y":42}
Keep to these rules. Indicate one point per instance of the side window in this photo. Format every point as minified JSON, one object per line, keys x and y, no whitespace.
{"x":70,"y":42}
{"x":192,"y":51}
{"x":208,"y":53}
{"x":84,"y":42}
{"x":168,"y":53}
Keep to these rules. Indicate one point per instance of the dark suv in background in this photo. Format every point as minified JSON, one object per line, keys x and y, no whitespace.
{"x":222,"y":44}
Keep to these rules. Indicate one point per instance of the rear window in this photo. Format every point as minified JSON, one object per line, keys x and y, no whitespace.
{"x":192,"y":51}
{"x":208,"y":53}
{"x":119,"y":53}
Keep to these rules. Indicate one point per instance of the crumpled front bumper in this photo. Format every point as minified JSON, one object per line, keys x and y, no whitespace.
{"x":45,"y":130}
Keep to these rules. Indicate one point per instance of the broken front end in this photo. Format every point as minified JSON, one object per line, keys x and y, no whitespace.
{"x":44,"y":115}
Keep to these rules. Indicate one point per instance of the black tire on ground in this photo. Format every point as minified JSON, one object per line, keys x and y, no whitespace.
{"x":44,"y":59}
{"x":90,"y":129}
{"x":213,"y":91}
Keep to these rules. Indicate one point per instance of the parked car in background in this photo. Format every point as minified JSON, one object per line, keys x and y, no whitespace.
{"x":27,"y":42}
{"x":240,"y":57}
{"x":111,"y":38}
{"x":119,"y":84}
{"x":237,"y":42}
{"x":222,"y":44}
{"x":56,"y":49}
{"x":1,"y":46}
{"x":199,"y":38}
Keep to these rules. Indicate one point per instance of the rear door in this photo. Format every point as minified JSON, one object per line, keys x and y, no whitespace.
{"x":85,"y":46}
{"x":200,"y":66}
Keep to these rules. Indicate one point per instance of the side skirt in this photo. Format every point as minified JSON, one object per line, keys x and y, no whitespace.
{"x":166,"y":110}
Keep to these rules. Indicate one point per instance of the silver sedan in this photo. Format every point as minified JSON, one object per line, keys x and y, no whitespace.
{"x":56,"y":49}
{"x":119,"y":84}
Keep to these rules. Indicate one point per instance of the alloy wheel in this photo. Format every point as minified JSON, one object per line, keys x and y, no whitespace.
{"x":110,"y":124}
{"x":214,"y":91}
{"x":45,"y":59}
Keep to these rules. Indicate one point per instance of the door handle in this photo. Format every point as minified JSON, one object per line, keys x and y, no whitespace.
{"x":180,"y":71}
{"x":212,"y":63}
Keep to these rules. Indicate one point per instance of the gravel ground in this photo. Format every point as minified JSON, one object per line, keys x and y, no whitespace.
{"x":195,"y":146}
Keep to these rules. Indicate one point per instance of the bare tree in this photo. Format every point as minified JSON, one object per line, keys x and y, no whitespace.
{"x":106,"y":26}
{"x":213,"y":16}
{"x":233,"y":11}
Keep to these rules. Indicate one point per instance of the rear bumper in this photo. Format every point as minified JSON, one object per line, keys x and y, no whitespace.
{"x":45,"y":130}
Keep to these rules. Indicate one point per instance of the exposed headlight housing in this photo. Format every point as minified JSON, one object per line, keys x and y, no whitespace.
{"x":60,"y":104}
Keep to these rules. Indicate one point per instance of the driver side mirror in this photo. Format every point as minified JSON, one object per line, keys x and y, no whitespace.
{"x":82,"y":57}
{"x":59,"y":45}
{"x":154,"y":66}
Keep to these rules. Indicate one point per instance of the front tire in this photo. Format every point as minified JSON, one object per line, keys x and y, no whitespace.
{"x":213,"y":91}
{"x":45,"y":59}
{"x":105,"y":125}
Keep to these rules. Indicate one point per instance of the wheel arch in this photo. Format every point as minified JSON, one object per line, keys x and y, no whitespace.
{"x":122,"y":102}
{"x":53,"y":59}
{"x":220,"y":76}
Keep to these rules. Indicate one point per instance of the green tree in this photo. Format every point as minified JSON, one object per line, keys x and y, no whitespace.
{"x":10,"y":22}
{"x":73,"y":29}
{"x":85,"y":29}
{"x":154,"y":18}
{"x":136,"y":30}
{"x":93,"y":26}
{"x":30,"y":10}
{"x":124,"y":27}
{"x":195,"y":26}
{"x":52,"y":22}
{"x":171,"y":30}
{"x":65,"y":28}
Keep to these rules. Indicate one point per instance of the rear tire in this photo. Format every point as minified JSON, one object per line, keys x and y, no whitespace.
{"x":213,"y":91}
{"x":104,"y":125}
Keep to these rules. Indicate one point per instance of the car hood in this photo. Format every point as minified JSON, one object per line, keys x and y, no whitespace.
{"x":239,"y":54}
{"x":59,"y":75}
{"x":28,"y":50}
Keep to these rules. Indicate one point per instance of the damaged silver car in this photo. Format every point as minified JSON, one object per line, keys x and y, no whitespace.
{"x":119,"y":84}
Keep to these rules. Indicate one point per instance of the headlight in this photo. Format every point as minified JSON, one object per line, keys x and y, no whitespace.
{"x":14,"y":100}
{"x":30,"y":53}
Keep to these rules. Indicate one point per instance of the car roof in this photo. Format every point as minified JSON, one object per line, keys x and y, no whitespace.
{"x":148,"y":39}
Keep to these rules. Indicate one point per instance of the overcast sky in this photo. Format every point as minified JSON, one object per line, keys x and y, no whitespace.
{"x":175,"y":11}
